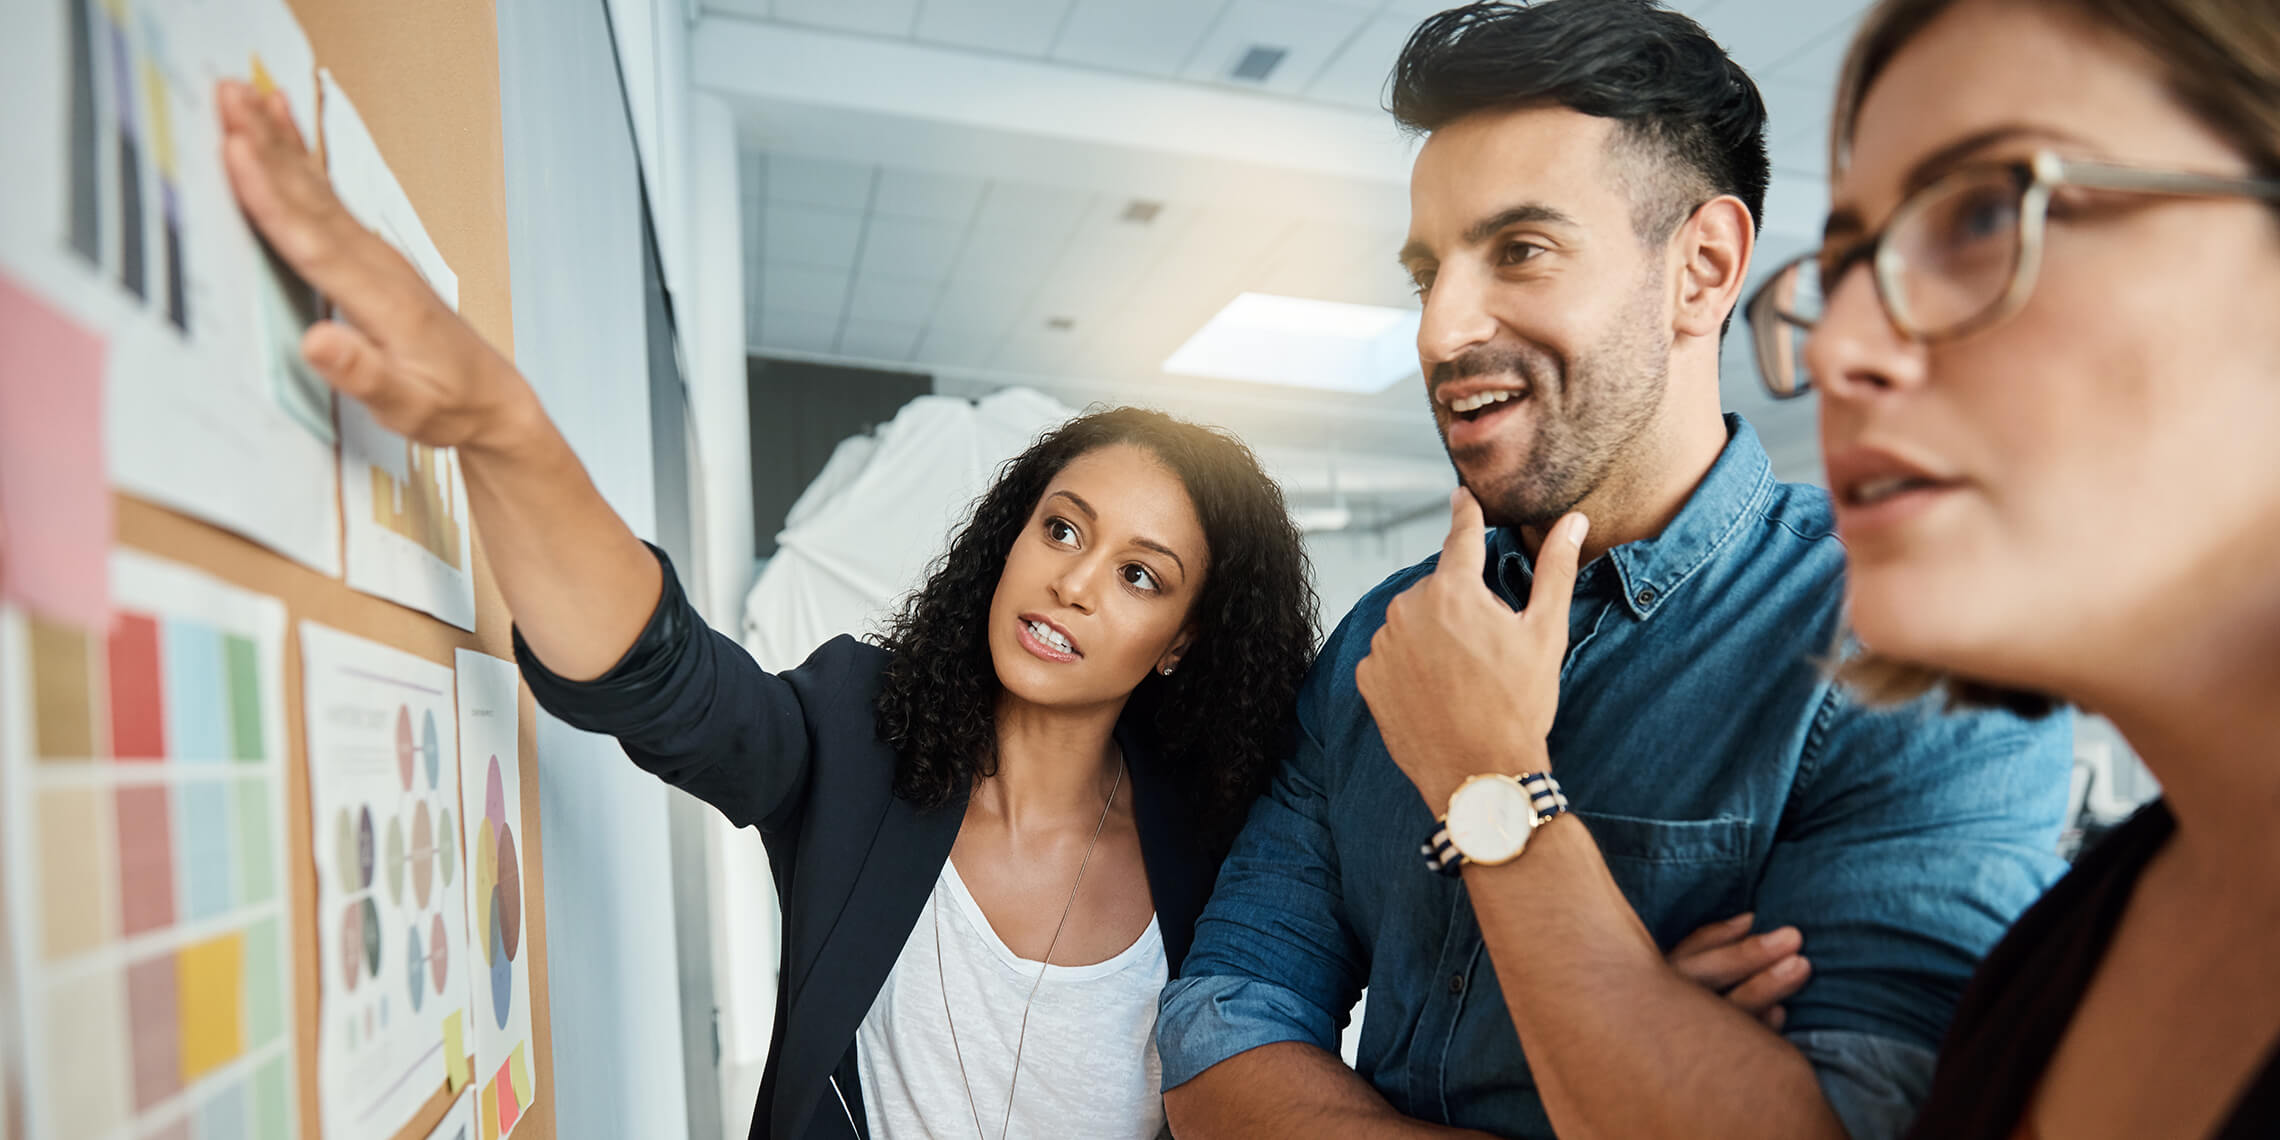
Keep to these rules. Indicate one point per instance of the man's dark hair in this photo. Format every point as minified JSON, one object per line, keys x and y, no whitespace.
{"x":1692,"y":119}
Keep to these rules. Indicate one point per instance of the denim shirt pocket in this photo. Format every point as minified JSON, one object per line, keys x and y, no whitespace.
{"x":1677,"y":874}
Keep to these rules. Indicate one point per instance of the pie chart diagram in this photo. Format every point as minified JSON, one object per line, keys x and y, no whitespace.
{"x":439,"y":953}
{"x":423,"y":856}
{"x":498,"y":892}
{"x":415,"y":962}
{"x":404,"y":745}
{"x":351,"y":946}
{"x":369,"y":930}
{"x":430,"y":753}
{"x":396,"y":861}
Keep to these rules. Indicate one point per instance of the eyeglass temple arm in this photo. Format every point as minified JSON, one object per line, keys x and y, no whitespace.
{"x":2102,"y":176}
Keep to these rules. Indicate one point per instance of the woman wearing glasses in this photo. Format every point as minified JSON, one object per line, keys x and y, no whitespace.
{"x":2045,"y":326}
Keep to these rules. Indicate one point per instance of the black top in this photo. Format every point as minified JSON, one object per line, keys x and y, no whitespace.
{"x":2019,"y":1003}
{"x":798,"y":756}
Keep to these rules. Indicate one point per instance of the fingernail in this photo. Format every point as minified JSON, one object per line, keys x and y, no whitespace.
{"x":1789,"y":967}
{"x":1577,"y":529}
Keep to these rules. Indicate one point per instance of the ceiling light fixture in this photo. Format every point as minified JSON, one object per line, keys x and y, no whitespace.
{"x":1294,"y":341}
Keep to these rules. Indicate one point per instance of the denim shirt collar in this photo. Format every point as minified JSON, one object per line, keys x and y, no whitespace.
{"x":1645,"y":573}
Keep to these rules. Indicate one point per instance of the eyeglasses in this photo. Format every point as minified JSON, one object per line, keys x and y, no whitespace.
{"x":1958,"y":256}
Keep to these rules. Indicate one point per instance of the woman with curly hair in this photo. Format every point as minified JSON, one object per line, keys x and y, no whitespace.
{"x":992,"y":831}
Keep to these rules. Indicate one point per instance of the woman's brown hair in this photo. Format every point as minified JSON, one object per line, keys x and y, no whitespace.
{"x":2220,"y":58}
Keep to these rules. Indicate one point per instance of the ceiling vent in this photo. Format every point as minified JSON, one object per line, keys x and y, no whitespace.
{"x":1060,"y":324}
{"x":1141,"y":211}
{"x":1258,"y":63}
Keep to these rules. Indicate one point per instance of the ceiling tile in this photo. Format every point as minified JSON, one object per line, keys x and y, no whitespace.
{"x":928,"y":195}
{"x":1154,"y":38}
{"x":910,"y":248}
{"x":1310,"y":35}
{"x":1018,"y":27}
{"x":797,"y":180}
{"x":803,"y":288}
{"x":878,"y":340}
{"x":754,"y":8}
{"x":803,"y":235}
{"x":892,"y":299}
{"x":1007,"y":258}
{"x":1048,"y":210}
{"x":1036,"y":350}
{"x":1763,"y":34}
{"x":1356,"y":76}
{"x":875,"y":17}
{"x":956,"y":348}
{"x":984,"y":311}
{"x":800,"y":332}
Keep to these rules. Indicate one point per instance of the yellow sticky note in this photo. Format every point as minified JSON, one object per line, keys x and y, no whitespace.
{"x":487,"y":1107}
{"x":455,"y":1069}
{"x":519,"y":1073}
{"x":263,"y":83}
{"x":209,"y":976}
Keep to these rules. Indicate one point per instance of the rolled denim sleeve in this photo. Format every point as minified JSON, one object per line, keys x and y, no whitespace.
{"x":1273,"y":958}
{"x":1913,"y":840}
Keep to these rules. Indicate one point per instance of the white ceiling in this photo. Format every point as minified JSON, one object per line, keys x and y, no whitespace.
{"x":942,"y":185}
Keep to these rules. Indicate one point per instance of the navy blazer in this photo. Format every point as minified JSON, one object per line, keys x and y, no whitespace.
{"x":798,"y":756}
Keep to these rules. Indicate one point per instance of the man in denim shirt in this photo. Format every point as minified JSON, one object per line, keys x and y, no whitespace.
{"x":1583,"y":213}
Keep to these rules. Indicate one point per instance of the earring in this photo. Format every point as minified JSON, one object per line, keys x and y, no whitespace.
{"x":1166,"y":670}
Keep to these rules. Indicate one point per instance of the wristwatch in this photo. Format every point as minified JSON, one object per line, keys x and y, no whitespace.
{"x":1490,"y":818}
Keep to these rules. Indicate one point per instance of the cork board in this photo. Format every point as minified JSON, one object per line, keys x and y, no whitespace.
{"x":425,"y":76}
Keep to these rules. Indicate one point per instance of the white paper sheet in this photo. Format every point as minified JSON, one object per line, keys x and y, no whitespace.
{"x":391,"y":895}
{"x":404,"y":506}
{"x":505,"y":1062}
{"x":459,"y":1123}
{"x":115,"y":207}
{"x":148,"y":875}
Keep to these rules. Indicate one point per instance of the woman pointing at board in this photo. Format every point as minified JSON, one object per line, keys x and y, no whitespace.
{"x":992,"y":832}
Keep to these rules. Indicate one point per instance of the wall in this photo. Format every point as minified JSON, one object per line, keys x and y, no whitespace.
{"x":575,"y":253}
{"x":1348,"y":564}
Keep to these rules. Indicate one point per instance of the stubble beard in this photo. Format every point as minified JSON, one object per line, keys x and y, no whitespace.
{"x":1590,"y":417}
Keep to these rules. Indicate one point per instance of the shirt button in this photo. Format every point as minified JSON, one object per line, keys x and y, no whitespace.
{"x":1456,"y":983}
{"x":1647,"y":596}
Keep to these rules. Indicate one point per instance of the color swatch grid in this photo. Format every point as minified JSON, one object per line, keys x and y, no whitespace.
{"x":147,"y":862}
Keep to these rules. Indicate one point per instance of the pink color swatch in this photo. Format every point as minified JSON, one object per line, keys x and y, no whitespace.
{"x":55,"y":494}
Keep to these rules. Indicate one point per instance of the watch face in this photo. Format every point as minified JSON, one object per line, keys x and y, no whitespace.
{"x":1489,"y":820}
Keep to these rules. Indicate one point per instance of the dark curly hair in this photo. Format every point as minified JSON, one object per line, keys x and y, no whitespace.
{"x":1221,"y":719}
{"x":1690,"y":112}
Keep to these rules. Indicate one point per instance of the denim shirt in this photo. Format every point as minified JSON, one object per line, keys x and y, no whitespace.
{"x":1719,"y":770}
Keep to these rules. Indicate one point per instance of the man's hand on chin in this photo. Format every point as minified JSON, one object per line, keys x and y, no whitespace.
{"x":1458,"y":683}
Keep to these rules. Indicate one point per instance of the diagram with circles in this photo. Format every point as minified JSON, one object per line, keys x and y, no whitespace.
{"x":500,"y":977}
{"x":392,"y":903}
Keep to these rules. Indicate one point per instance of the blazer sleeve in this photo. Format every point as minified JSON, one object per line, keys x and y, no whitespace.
{"x":692,"y":707}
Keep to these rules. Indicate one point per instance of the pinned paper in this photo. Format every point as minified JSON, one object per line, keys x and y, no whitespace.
{"x":55,"y":498}
{"x":518,"y":1073}
{"x":455,"y":1069}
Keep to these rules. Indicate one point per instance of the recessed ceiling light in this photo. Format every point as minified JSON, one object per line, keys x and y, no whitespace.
{"x":1269,"y":339}
{"x":1060,"y":324}
{"x":1142,"y":211}
{"x":1258,"y":63}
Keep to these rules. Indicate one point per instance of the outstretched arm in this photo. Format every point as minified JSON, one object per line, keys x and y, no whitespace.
{"x":579,"y":584}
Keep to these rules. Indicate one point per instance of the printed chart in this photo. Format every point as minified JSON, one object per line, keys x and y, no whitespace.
{"x":118,"y":213}
{"x":404,"y":509}
{"x":488,"y":689}
{"x":145,"y":773}
{"x":391,"y":891}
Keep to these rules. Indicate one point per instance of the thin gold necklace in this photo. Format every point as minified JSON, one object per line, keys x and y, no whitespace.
{"x":1022,"y":1038}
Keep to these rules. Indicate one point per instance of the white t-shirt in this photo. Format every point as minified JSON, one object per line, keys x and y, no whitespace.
{"x":1089,"y":1068}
